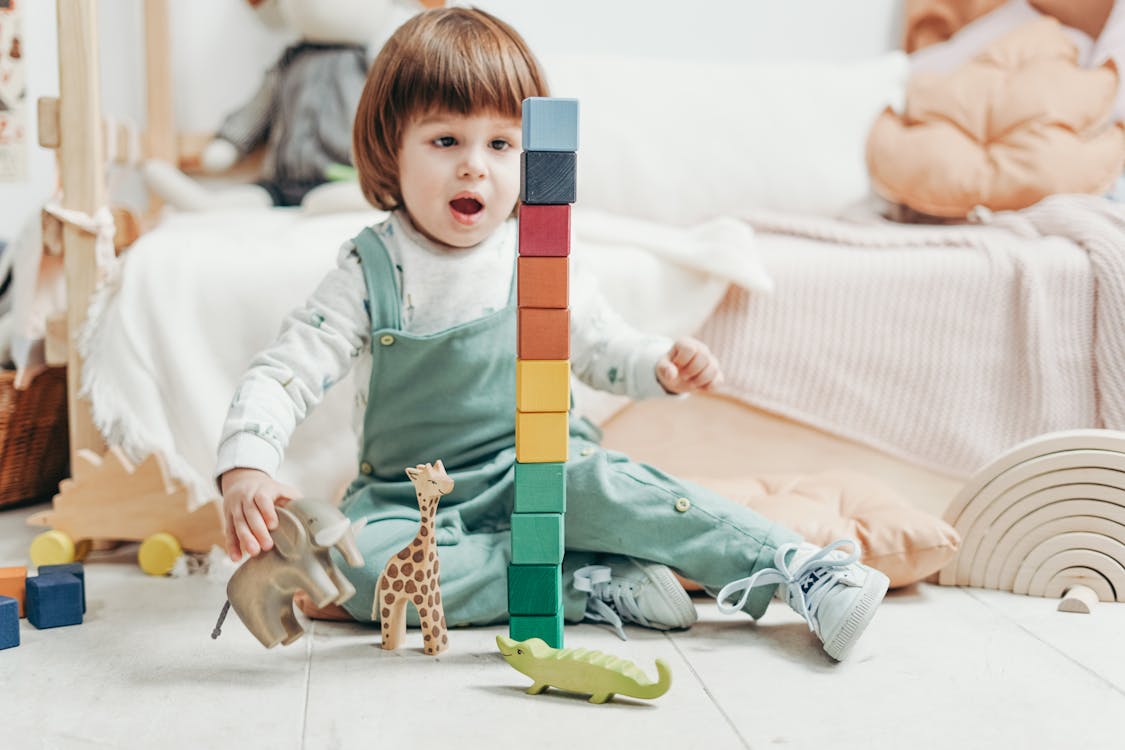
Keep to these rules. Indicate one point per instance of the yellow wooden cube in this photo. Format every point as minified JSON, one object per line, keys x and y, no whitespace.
{"x":542,"y":385}
{"x":541,"y":437}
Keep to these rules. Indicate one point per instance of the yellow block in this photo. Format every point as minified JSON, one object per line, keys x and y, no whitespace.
{"x":541,"y":437}
{"x":542,"y":385}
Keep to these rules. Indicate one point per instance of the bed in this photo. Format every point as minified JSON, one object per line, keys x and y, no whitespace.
{"x":914,"y":352}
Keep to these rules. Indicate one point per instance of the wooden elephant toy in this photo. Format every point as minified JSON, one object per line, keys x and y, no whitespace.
{"x":261,"y":590}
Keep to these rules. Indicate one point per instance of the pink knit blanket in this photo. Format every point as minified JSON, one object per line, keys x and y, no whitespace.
{"x":942,"y":345}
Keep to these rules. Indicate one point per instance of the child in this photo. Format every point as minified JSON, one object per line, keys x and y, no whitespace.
{"x":422,"y":306}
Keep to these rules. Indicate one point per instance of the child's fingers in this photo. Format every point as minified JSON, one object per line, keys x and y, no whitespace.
{"x":245,"y":535}
{"x":266,"y":509}
{"x":254,"y":520}
{"x":234,"y":550}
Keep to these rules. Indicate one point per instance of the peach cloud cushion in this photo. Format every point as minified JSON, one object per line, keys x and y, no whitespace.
{"x":904,"y":542}
{"x":1019,"y":122}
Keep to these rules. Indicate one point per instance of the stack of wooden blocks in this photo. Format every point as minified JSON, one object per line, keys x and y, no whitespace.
{"x":53,"y":598}
{"x":547,"y":188}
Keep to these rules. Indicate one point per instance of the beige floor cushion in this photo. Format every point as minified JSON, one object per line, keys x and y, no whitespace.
{"x":906,"y":543}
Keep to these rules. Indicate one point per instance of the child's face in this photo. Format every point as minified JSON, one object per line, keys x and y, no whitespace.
{"x":460,"y":174}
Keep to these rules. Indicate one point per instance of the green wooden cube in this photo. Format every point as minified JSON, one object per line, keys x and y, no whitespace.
{"x":547,"y":627}
{"x":541,"y":488}
{"x":534,"y":589}
{"x":537,"y":538}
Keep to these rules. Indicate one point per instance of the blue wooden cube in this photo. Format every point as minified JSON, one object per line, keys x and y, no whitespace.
{"x":9,"y":622}
{"x":78,"y":570}
{"x":54,"y":600}
{"x":550,"y":124}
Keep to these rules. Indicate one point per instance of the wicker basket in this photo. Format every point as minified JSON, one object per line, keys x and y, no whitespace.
{"x":34,"y":450}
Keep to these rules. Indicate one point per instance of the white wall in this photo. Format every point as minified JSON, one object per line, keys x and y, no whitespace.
{"x":219,"y":50}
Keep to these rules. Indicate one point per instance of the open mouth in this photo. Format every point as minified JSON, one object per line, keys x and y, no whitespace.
{"x":466,"y":209}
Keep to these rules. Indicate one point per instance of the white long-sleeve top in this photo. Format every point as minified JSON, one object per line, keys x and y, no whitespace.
{"x":324,"y":339}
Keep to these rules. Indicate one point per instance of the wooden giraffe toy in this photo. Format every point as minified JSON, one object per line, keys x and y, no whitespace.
{"x":411,"y":576}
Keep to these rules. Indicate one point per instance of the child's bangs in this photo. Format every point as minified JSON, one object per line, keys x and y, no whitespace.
{"x":491,"y":73}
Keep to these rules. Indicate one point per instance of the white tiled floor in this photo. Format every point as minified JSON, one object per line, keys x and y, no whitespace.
{"x":938,"y":668}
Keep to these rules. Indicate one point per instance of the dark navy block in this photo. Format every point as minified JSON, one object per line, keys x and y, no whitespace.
{"x":54,"y":600}
{"x":548,"y":177}
{"x":550,"y":124}
{"x":9,"y":622}
{"x":78,"y":570}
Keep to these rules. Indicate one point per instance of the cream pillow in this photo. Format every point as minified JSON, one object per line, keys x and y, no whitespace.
{"x":680,"y":142}
{"x":904,"y":542}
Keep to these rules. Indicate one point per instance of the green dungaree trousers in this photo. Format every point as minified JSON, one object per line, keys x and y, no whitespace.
{"x":451,"y":396}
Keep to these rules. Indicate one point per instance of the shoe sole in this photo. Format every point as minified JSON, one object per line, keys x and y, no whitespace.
{"x":845,"y":637}
{"x":673,"y":593}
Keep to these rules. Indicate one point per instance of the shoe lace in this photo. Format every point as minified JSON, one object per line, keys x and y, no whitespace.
{"x":609,"y":601}
{"x":807,"y":584}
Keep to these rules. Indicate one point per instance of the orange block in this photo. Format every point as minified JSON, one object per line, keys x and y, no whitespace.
{"x":544,"y":282}
{"x":13,"y":582}
{"x":543,"y":333}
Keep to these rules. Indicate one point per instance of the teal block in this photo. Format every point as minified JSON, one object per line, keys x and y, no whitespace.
{"x":541,"y":488}
{"x":550,"y":124}
{"x":537,"y":538}
{"x":534,"y":589}
{"x":547,"y":627}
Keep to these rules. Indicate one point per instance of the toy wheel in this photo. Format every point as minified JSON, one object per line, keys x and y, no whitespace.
{"x":158,"y":554}
{"x":51,"y":548}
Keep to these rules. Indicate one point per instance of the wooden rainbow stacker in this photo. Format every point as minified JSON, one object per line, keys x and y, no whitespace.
{"x":547,"y":188}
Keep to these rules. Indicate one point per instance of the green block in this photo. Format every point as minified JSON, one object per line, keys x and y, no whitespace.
{"x":541,"y":488}
{"x":547,"y":627}
{"x":537,"y":538}
{"x":534,"y":589}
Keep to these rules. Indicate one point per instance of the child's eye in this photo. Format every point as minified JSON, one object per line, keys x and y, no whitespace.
{"x":445,"y":141}
{"x":499,"y":144}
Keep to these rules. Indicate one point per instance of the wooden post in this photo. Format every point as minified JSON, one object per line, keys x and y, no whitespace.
{"x":160,"y":126}
{"x":82,"y":171}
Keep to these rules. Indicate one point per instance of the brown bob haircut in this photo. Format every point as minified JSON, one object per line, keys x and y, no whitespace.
{"x":457,"y":60}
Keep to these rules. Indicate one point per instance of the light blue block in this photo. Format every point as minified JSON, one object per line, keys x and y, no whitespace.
{"x":550,"y":124}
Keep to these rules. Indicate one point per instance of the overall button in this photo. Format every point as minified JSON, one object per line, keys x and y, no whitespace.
{"x":683,"y":504}
{"x":366,"y":468}
{"x":386,"y":339}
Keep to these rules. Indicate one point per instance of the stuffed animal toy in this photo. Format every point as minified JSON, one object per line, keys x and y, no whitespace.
{"x":302,"y":113}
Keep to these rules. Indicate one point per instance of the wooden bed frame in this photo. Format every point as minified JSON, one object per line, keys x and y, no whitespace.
{"x":64,"y":126}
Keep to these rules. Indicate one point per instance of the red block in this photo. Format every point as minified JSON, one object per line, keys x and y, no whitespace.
{"x":544,"y":230}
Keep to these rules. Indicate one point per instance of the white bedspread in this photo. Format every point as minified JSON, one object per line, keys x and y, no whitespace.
{"x":943,"y":345}
{"x":195,"y":299}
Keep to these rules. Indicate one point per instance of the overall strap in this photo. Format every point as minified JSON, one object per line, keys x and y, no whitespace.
{"x":383,"y":296}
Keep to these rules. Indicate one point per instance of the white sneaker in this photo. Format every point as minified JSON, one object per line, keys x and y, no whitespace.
{"x":835,"y":593}
{"x":645,"y":593}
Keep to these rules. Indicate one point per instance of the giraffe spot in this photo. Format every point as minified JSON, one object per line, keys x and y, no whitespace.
{"x":444,"y":639}
{"x":422,"y":612}
{"x":411,"y":587}
{"x":386,"y":613}
{"x":397,"y":586}
{"x":425,"y":588}
{"x":384,"y":582}
{"x":404,"y":554}
{"x":430,"y":600}
{"x":437,"y":597}
{"x":424,"y":531}
{"x":419,"y":575}
{"x":426,"y":636}
{"x":392,"y":570}
{"x":407,"y":569}
{"x":389,"y":598}
{"x":418,"y":556}
{"x":417,"y":600}
{"x":433,"y":555}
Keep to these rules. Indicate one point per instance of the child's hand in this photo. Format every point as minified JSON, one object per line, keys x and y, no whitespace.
{"x":688,"y":366}
{"x":249,"y":497}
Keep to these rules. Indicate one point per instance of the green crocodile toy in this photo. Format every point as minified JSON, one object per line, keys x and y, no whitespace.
{"x":580,"y":670}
